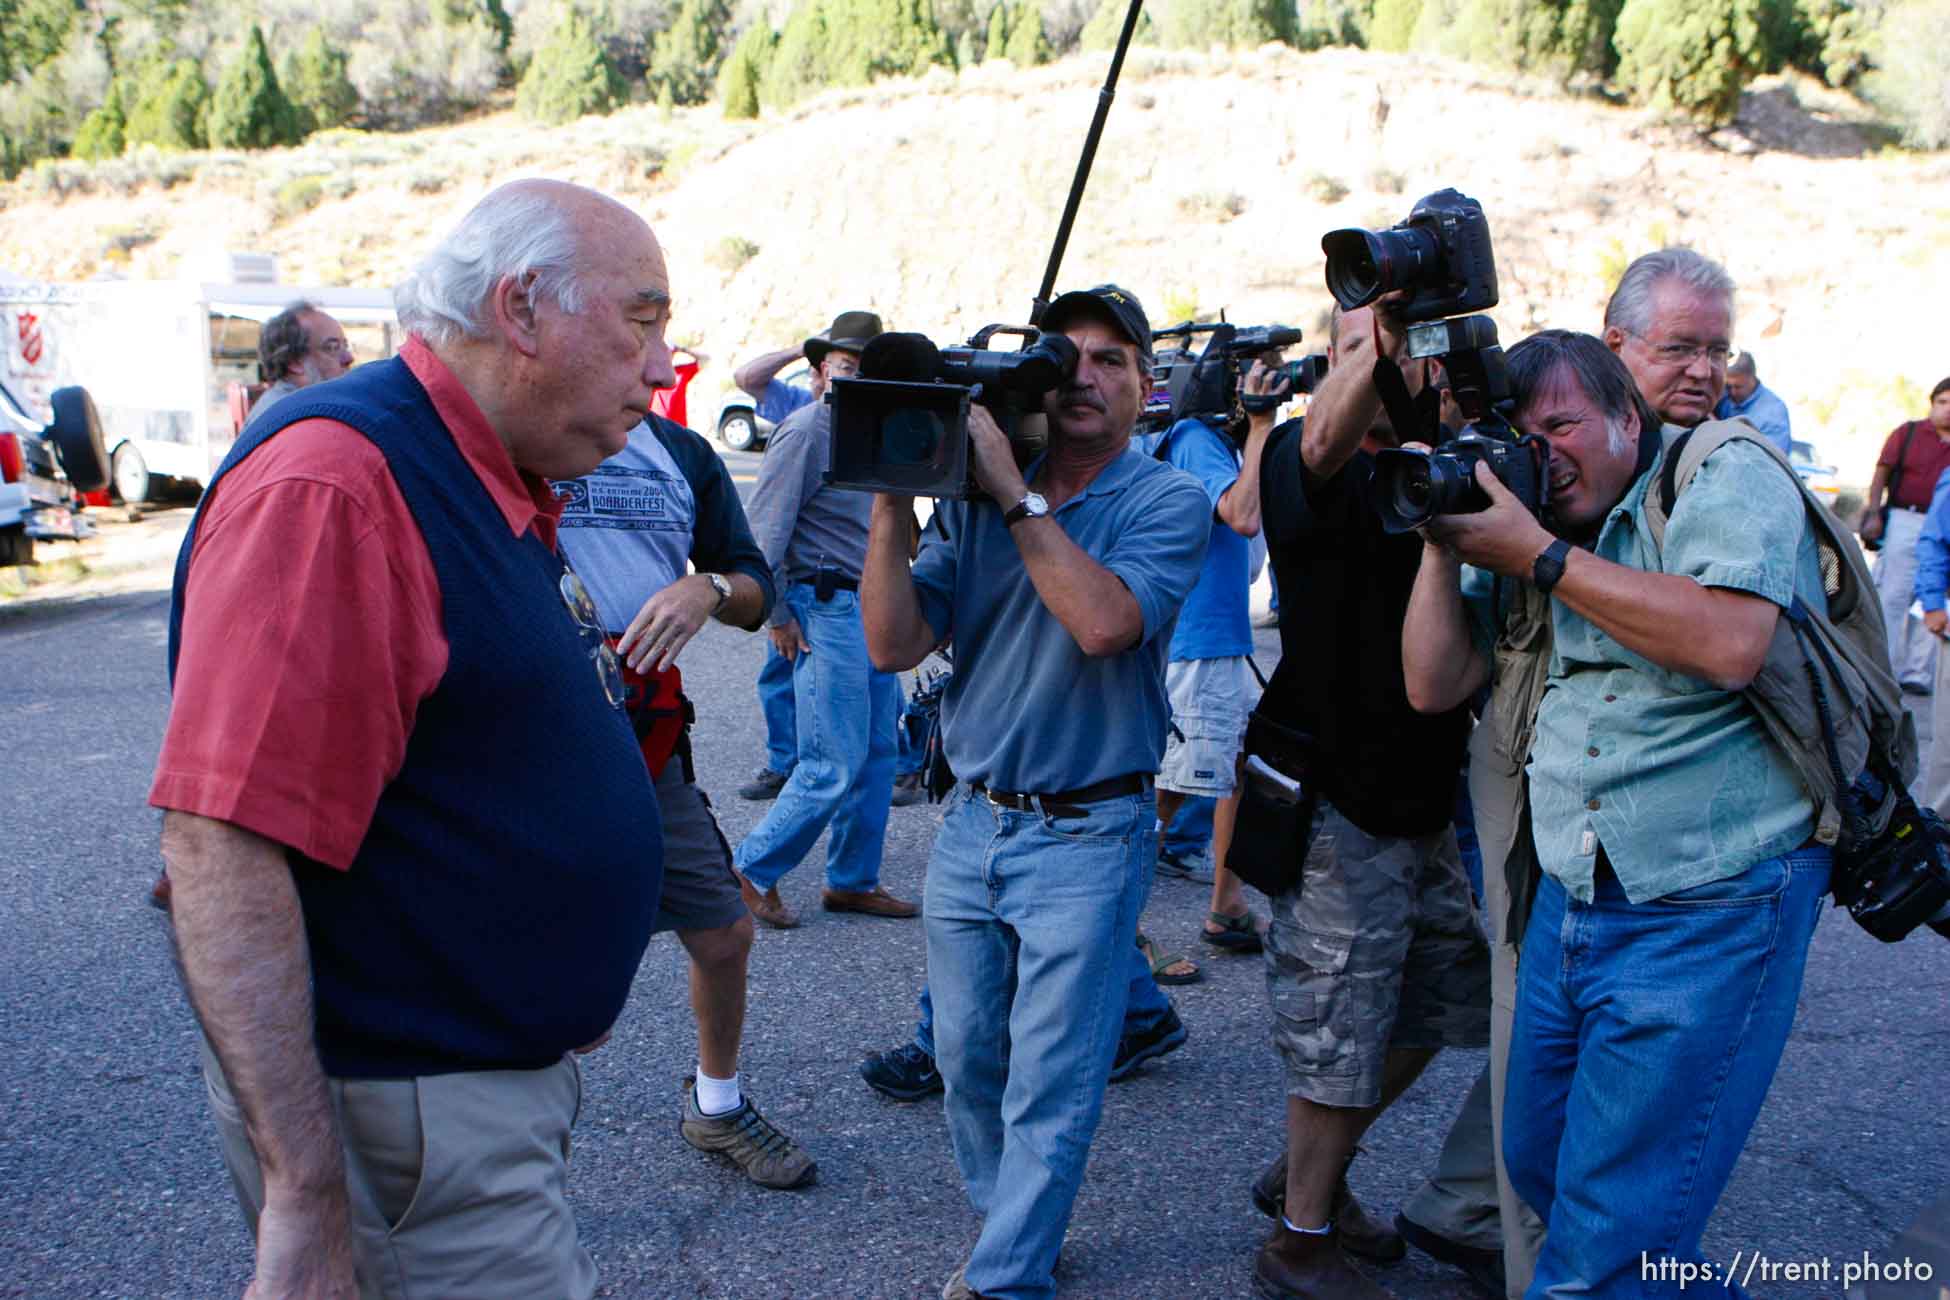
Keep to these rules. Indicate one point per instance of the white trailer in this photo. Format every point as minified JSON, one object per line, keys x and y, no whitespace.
{"x":160,"y":359}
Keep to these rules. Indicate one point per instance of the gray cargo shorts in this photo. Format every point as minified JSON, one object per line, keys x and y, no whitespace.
{"x":1378,"y":947}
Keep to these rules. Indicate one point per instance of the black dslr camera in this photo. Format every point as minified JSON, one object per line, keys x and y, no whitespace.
{"x":1412,"y":487}
{"x":1441,"y":255}
{"x":1185,"y":385}
{"x":902,"y":425}
{"x":1896,"y":880}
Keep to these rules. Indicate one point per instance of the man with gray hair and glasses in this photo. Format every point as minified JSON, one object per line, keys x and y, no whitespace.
{"x":1671,"y":321}
{"x":417,"y":856}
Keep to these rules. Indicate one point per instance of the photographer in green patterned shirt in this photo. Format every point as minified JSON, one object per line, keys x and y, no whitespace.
{"x":1680,"y":886}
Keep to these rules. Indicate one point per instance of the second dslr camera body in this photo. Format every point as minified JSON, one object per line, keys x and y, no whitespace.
{"x":1441,"y":261}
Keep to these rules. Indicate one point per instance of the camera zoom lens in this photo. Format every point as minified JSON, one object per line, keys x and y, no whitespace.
{"x":1353,"y":276}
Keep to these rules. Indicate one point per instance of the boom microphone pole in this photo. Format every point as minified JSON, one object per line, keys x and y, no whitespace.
{"x":1104,"y":97}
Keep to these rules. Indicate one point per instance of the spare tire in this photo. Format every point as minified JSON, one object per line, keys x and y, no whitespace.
{"x":77,"y":437}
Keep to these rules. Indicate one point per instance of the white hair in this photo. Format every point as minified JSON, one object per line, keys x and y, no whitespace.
{"x":514,"y":232}
{"x":1630,"y":308}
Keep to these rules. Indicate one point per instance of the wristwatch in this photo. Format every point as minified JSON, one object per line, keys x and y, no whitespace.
{"x":723,"y":586}
{"x":1032,"y":506}
{"x":1548,"y":567}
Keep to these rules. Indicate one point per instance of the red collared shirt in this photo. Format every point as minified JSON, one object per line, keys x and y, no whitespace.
{"x":313,"y":628}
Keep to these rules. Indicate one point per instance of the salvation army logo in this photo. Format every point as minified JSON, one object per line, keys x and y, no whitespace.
{"x":27,"y":334}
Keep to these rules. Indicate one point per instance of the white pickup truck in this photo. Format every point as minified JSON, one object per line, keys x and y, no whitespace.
{"x":161,"y":359}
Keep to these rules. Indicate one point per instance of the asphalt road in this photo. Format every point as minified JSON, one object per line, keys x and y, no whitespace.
{"x":110,"y":1184}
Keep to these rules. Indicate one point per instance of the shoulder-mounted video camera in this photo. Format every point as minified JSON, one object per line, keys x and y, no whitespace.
{"x":902,"y":425}
{"x":1205,"y":384}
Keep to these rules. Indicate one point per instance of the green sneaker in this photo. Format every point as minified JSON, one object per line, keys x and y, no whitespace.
{"x":748,"y":1140}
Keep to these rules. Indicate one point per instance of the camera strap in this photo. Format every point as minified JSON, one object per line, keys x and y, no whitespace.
{"x":1413,"y":418}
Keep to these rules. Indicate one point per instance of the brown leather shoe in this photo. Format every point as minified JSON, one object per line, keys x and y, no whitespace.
{"x":159,"y":892}
{"x":874,"y":902}
{"x":767,"y":907}
{"x":1301,"y":1266}
{"x":1360,"y":1234}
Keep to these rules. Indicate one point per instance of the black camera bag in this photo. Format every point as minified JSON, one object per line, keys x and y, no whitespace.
{"x":1271,"y":837}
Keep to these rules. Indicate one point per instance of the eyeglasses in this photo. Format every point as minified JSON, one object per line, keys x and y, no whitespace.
{"x":1681,"y":353}
{"x":609,"y":670}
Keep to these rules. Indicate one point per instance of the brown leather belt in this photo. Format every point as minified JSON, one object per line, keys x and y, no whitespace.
{"x":1066,"y":803}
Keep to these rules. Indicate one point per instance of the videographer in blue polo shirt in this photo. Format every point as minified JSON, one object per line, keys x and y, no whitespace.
{"x":1060,"y":594}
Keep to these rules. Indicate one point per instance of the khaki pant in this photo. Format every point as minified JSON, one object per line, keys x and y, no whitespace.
{"x":1912,"y":650}
{"x":1933,"y":790}
{"x":456,"y":1181}
{"x":1470,"y":1170}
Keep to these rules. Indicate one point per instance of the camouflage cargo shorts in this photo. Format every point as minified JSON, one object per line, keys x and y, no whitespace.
{"x":1378,"y":947}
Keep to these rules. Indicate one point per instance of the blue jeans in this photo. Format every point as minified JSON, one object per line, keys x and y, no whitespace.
{"x":1190,"y":832}
{"x":1646,"y":1037}
{"x":845,"y":769}
{"x":775,"y":702}
{"x":911,"y":736}
{"x":1030,"y":921}
{"x":1145,"y":1004}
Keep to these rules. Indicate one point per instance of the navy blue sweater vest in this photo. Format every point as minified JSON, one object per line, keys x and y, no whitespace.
{"x":504,"y":893}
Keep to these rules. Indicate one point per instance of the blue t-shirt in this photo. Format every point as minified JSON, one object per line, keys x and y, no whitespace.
{"x":1764,"y":411}
{"x":1216,"y":622}
{"x":1027,"y":710}
{"x":637,"y":523}
{"x":781,"y":399}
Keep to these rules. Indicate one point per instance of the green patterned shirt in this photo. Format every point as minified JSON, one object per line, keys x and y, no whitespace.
{"x":1676,"y":778}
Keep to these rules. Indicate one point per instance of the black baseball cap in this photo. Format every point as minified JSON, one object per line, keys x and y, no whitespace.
{"x":1120,"y":305}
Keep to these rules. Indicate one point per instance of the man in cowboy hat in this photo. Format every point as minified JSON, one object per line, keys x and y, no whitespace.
{"x":815,"y":539}
{"x":773,"y":400}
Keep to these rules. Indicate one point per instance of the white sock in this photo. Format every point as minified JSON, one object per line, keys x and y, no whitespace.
{"x":717,"y":1096}
{"x":1321,"y":1231}
{"x":1159,"y":826}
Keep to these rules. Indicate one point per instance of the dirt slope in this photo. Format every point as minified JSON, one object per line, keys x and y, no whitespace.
{"x":934,"y":201}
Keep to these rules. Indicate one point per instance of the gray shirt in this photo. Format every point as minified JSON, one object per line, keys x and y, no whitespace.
{"x":269,"y":398}
{"x":802,"y":525}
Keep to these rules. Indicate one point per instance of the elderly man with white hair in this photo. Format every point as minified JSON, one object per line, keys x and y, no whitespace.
{"x":416,"y":853}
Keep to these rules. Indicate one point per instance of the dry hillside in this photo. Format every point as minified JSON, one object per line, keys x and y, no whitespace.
{"x":934,"y":201}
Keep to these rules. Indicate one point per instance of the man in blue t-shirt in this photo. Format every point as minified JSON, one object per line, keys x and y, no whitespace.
{"x":632,"y":530}
{"x":1210,"y":684}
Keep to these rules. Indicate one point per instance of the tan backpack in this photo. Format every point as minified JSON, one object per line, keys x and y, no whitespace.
{"x":1832,"y":661}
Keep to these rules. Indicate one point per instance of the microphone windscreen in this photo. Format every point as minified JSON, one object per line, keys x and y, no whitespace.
{"x":907,"y":358}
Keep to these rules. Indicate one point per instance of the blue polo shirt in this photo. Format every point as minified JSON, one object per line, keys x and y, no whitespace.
{"x":1216,"y":622}
{"x":1027,"y":710}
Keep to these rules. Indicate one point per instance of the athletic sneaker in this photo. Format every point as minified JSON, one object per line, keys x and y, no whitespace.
{"x":1166,"y":1034}
{"x":905,"y":1074}
{"x":748,"y":1140}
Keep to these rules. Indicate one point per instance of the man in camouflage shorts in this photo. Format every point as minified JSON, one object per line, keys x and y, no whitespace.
{"x":1374,"y":958}
{"x":1377,"y":951}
